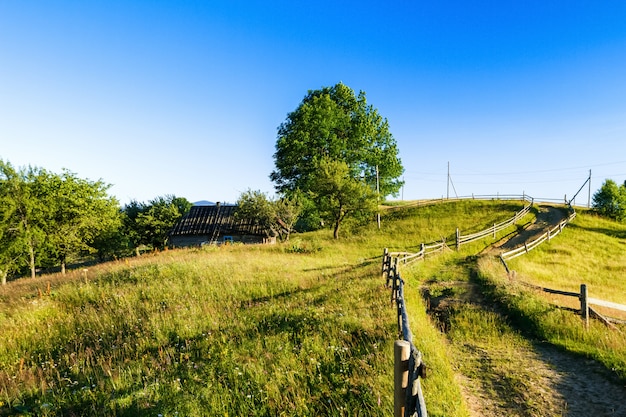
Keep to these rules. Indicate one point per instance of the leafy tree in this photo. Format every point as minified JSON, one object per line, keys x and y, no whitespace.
{"x":610,"y":200}
{"x":150,"y":224}
{"x":23,"y":218}
{"x":276,"y":217}
{"x":80,"y":212}
{"x":334,"y":124}
{"x":339,"y":195}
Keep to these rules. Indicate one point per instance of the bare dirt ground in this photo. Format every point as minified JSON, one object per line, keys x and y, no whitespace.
{"x":557,"y":383}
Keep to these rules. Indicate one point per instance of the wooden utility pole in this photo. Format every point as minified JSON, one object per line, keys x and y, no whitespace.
{"x":448,"y":183}
{"x":589,"y":195}
{"x":377,"y":198}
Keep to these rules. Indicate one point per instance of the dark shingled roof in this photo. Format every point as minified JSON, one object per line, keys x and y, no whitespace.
{"x":215,"y":220}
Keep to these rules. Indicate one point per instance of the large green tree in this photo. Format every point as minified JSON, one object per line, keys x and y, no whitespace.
{"x":334,"y":123}
{"x":47,"y":219}
{"x":79,"y":213}
{"x":22,"y":214}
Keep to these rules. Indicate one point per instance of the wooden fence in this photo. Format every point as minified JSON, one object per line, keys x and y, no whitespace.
{"x":497,"y":226}
{"x":439,"y":246}
{"x":528,"y":246}
{"x":586,"y":310}
{"x":408,"y":364}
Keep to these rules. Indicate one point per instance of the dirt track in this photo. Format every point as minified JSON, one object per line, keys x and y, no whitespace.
{"x":558,"y":383}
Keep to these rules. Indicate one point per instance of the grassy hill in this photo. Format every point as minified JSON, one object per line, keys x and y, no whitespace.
{"x":300,"y":328}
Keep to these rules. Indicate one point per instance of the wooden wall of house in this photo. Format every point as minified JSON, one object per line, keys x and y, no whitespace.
{"x":198,"y":240}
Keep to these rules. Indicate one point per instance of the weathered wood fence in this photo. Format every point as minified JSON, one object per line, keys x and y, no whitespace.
{"x":528,"y":246}
{"x":439,"y":246}
{"x":408,"y":364}
{"x":528,"y":203}
{"x":409,"y":367}
{"x":586,"y":311}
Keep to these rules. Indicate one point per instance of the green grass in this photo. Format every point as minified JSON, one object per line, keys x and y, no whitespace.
{"x":591,"y":250}
{"x":302,"y":328}
{"x":530,"y":312}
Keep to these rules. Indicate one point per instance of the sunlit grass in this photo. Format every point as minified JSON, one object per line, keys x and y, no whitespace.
{"x":301,"y":328}
{"x":533,"y":314}
{"x":591,"y":250}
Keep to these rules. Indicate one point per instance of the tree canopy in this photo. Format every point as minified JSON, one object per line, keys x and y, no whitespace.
{"x":335,"y":148}
{"x":276,"y":216}
{"x":334,"y":123}
{"x":610,"y":200}
{"x":46,"y":218}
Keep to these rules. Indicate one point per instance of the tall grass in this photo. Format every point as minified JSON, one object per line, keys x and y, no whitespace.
{"x":590,"y":250}
{"x":301,"y":328}
{"x":539,"y":319}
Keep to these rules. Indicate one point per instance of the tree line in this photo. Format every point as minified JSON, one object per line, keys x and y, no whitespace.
{"x":335,"y":160}
{"x":48,"y":220}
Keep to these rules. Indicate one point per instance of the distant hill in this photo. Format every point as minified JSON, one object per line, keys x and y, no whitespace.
{"x":204,"y":203}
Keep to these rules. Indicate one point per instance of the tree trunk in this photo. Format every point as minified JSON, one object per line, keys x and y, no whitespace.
{"x":3,"y":277}
{"x":336,"y":229}
{"x":33,"y":272}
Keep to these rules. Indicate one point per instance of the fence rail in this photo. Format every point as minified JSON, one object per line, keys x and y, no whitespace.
{"x":585,"y":301}
{"x":497,"y":226}
{"x":528,"y":246}
{"x":439,"y":246}
{"x":409,"y":367}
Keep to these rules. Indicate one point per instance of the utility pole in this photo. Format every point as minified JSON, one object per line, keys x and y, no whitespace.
{"x":377,"y":198}
{"x":448,"y":183}
{"x":589,"y":194}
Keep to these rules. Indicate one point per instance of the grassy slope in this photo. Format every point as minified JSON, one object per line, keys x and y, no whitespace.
{"x":303,"y":328}
{"x":591,"y":250}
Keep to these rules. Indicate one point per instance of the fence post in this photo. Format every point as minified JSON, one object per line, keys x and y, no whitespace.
{"x":401,"y":354}
{"x":494,"y":230}
{"x":395,"y":276}
{"x":584,"y":305}
{"x":385,"y":254}
{"x":458,"y":239}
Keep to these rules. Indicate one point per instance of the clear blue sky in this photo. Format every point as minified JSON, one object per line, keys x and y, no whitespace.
{"x":184,"y":97}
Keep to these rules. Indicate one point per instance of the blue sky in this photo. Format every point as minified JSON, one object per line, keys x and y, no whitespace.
{"x":184,"y":97}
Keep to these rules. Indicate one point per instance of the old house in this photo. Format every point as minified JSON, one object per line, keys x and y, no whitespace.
{"x":215,"y":224}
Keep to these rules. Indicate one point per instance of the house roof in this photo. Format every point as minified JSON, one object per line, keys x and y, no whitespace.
{"x":217,"y":220}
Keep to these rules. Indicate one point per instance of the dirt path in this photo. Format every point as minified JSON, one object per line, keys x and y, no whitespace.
{"x":547,"y":217}
{"x":526,"y":378}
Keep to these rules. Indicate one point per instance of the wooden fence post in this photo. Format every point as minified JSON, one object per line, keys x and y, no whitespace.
{"x":494,"y":230}
{"x":584,"y":305}
{"x":401,"y":354}
{"x":458,"y":239}
{"x":385,"y":254}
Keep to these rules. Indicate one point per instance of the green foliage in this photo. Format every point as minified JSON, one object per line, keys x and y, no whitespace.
{"x":150,"y":223}
{"x":338,"y":195}
{"x":79,"y":213}
{"x":610,"y":200}
{"x":46,"y":219}
{"x":333,"y":124}
{"x":276,"y":217}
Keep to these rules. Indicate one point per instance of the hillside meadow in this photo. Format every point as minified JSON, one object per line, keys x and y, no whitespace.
{"x":590,"y":250}
{"x":300,"y":328}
